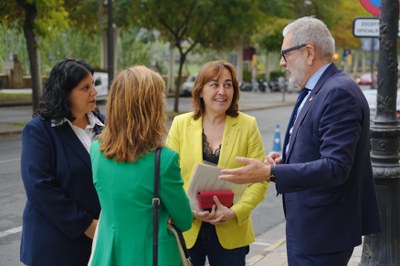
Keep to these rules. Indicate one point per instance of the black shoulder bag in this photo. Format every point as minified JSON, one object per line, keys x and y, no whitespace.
{"x":156,"y":206}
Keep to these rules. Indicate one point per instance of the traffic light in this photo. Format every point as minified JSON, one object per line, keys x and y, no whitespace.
{"x":254,"y":60}
{"x":335,"y":56}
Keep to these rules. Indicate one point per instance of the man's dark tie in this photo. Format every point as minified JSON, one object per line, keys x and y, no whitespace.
{"x":302,"y":95}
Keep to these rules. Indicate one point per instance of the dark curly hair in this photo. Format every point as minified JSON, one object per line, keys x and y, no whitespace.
{"x":55,"y":104}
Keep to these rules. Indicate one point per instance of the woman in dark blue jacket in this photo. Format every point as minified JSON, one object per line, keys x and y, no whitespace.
{"x":62,"y":207}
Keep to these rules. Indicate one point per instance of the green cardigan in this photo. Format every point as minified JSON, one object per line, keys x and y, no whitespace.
{"x":125,"y":190}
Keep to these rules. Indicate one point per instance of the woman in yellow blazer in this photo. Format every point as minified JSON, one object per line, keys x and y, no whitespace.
{"x":216,"y":132}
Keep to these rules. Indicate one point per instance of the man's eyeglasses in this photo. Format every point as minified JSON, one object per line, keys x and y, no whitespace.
{"x":284,"y":52}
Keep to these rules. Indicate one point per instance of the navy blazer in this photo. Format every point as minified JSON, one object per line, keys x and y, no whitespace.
{"x":61,"y":198}
{"x":329,"y":193}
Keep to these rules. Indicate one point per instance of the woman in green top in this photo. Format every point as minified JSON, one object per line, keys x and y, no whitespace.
{"x":123,"y":175}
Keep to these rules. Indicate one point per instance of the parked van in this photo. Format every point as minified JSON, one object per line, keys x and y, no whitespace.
{"x":101,"y":84}
{"x":187,"y":86}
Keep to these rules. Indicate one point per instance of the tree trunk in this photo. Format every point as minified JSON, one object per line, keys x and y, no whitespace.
{"x":103,"y":50}
{"x":182,"y":60}
{"x":239,"y":66}
{"x":110,"y":44}
{"x":34,"y":62}
{"x":171,"y":62}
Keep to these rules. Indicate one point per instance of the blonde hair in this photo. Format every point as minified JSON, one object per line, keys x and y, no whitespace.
{"x":136,"y":119}
{"x":208,"y":72}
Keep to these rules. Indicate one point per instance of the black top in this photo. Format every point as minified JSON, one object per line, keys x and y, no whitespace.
{"x":208,"y":154}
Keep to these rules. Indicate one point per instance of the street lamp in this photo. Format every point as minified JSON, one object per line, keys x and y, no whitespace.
{"x":383,"y":248}
{"x":303,"y":7}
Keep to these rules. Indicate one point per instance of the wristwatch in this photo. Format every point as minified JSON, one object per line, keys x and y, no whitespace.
{"x":272,"y":173}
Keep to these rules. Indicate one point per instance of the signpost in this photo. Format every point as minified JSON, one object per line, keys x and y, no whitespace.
{"x":367,"y":28}
{"x":372,"y":6}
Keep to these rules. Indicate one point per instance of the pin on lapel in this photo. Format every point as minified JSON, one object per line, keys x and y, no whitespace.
{"x":310,"y":99}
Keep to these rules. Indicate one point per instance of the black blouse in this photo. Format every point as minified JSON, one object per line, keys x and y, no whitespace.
{"x":208,"y":154}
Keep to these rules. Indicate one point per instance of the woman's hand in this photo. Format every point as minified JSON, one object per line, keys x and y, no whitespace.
{"x":91,"y":229}
{"x":205,"y":216}
{"x":222,"y":213}
{"x":218,"y":215}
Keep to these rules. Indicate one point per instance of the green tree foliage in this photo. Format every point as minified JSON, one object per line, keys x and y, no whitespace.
{"x":270,"y":37}
{"x":213,"y":24}
{"x":88,"y":15}
{"x":134,"y":49}
{"x":12,"y":42}
{"x":73,"y":43}
{"x":337,"y":14}
{"x":322,"y":9}
{"x":342,"y":30}
{"x":37,"y":19}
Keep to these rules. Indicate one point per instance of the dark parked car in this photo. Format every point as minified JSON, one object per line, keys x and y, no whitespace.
{"x":245,"y":86}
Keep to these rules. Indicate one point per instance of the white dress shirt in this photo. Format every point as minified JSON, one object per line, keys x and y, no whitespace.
{"x":86,"y":135}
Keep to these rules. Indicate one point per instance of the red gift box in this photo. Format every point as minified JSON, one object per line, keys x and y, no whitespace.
{"x":205,"y":198}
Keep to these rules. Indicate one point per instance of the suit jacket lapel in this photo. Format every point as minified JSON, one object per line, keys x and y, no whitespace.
{"x":307,"y":105}
{"x":228,"y":141}
{"x":69,"y":137}
{"x":299,"y":121}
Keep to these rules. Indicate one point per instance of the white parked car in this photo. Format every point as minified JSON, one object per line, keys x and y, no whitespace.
{"x":101,"y":84}
{"x":370,"y":95}
{"x":187,"y":86}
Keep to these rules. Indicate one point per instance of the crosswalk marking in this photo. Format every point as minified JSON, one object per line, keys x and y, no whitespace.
{"x":11,"y":231}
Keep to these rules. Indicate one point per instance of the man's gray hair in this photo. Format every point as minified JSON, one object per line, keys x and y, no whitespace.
{"x":311,"y":31}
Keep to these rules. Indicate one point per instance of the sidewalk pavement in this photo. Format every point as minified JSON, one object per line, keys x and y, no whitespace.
{"x":274,"y":254}
{"x":14,"y":118}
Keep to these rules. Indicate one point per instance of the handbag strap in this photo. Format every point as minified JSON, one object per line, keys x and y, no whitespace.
{"x":156,"y":205}
{"x":182,"y":241}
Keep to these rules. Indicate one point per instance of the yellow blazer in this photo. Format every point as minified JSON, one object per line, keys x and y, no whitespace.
{"x":241,"y":138}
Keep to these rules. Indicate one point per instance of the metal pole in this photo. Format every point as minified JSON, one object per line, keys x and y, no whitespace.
{"x":303,"y":8}
{"x":383,"y":248}
{"x":372,"y":62}
{"x":110,"y":43}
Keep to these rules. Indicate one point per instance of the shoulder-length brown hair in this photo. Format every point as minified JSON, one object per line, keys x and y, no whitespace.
{"x":208,"y":72}
{"x":136,"y":119}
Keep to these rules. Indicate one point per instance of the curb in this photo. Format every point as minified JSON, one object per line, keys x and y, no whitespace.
{"x":18,"y":129}
{"x":12,"y":104}
{"x":263,"y":253}
{"x":11,"y":128}
{"x":10,"y":133}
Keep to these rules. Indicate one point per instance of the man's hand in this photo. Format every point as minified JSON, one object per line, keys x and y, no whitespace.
{"x":273,"y":158}
{"x":253,"y":172}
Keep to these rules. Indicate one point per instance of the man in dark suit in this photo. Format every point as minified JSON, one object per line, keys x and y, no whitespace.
{"x":324,"y":172}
